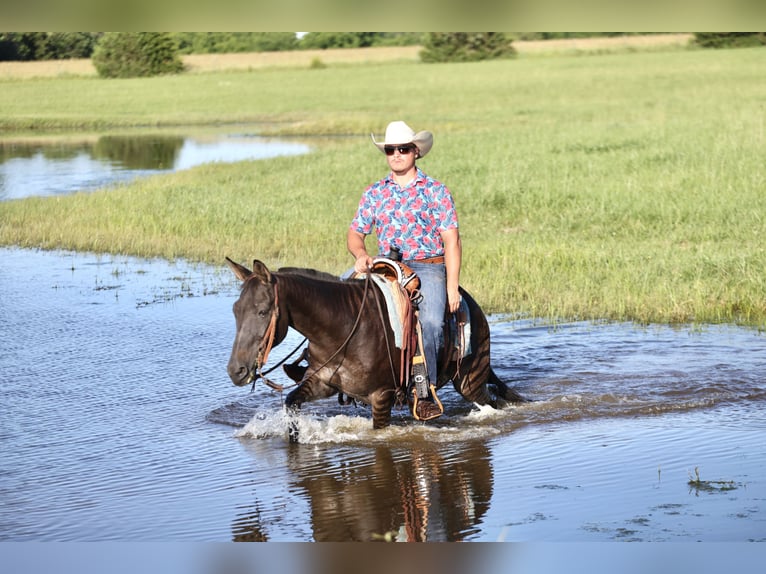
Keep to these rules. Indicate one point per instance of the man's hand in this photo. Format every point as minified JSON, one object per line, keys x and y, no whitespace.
{"x":453,"y":300}
{"x":363,"y":263}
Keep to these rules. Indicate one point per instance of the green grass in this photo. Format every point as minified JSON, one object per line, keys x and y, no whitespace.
{"x":620,"y":186}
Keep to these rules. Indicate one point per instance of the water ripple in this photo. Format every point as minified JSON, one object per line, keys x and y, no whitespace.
{"x":120,"y":423}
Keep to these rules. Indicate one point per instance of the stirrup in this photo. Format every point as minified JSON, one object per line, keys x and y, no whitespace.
{"x":432,"y":413}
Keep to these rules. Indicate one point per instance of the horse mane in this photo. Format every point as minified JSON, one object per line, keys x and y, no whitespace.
{"x":306,"y":272}
{"x":345,"y":296}
{"x":306,"y":284}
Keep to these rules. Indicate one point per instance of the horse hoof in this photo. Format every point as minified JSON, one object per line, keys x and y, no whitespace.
{"x":292,"y":432}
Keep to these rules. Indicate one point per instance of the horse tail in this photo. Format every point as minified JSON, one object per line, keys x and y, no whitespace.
{"x":503,"y":391}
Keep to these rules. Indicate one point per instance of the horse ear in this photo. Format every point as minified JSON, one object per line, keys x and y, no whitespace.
{"x":261,"y":271}
{"x":240,"y":271}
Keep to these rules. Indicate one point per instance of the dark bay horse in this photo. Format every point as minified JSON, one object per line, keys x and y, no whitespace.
{"x":351,"y":349}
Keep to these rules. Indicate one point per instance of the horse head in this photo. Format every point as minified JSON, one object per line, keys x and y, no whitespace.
{"x":256,"y":313}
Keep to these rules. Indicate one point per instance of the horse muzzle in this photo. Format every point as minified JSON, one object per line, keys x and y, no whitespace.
{"x":240,"y":374}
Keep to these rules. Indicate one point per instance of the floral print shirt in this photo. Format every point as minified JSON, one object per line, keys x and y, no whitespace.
{"x":410,"y":218}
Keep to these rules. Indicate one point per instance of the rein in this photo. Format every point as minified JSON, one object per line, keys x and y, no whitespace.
{"x":268,"y":382}
{"x":267,"y":342}
{"x":351,"y":333}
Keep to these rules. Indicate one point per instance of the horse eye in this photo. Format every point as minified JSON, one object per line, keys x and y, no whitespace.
{"x":262,"y":312}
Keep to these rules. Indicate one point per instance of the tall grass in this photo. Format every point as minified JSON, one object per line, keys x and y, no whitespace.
{"x":623,"y":186}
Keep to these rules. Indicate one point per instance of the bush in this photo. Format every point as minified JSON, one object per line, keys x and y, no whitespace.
{"x":317,"y":64}
{"x":136,"y":54}
{"x":466,"y":46}
{"x":730,"y":39}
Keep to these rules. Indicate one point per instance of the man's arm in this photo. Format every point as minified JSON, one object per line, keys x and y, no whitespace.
{"x":355,"y":245}
{"x":453,"y":258}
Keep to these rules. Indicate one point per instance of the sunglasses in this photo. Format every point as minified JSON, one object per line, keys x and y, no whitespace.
{"x":402,"y":149}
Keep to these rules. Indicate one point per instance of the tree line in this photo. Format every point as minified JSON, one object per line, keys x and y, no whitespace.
{"x":131,"y":54}
{"x":25,"y":46}
{"x":63,"y":45}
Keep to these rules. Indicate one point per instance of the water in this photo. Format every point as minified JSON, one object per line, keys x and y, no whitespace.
{"x":60,"y":165}
{"x":120,"y":424}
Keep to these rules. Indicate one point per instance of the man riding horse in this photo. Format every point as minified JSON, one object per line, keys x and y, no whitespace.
{"x":353,"y":351}
{"x":414,"y":214}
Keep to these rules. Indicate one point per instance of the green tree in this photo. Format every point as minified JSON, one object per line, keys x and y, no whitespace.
{"x":729,"y":39}
{"x":47,"y":45}
{"x":466,"y":46}
{"x":136,"y":54}
{"x":231,"y":42}
{"x":326,"y":40}
{"x":63,"y":45}
{"x":20,"y":46}
{"x":274,"y":41}
{"x":399,"y":39}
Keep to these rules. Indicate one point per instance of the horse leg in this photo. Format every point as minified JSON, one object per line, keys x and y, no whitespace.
{"x":471,"y":383}
{"x":503,"y":391}
{"x":479,"y":384}
{"x":295,"y":370}
{"x":382,"y":402}
{"x":475,"y":375}
{"x":309,"y":390}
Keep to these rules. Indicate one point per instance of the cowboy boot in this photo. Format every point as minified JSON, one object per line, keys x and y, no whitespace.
{"x":424,"y":409}
{"x":423,"y":406}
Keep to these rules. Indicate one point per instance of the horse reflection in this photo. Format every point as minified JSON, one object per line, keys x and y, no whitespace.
{"x":414,"y":493}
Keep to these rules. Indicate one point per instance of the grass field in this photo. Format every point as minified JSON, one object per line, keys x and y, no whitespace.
{"x":621,"y":186}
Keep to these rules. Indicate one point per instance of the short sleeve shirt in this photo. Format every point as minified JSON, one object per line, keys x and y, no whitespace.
{"x":409,"y":218}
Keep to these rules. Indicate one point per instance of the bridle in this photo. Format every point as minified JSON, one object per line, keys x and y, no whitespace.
{"x":265,"y":346}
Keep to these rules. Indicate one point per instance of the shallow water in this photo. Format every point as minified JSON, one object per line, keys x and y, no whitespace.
{"x":61,"y":165}
{"x":120,"y":423}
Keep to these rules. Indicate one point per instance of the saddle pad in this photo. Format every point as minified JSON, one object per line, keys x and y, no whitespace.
{"x":394,"y":315}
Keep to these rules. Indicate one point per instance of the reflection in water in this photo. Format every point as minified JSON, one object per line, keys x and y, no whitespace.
{"x":139,"y":152}
{"x":416,"y":494}
{"x":37,"y":169}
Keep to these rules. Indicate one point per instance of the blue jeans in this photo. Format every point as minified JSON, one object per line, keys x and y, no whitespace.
{"x":433,"y":288}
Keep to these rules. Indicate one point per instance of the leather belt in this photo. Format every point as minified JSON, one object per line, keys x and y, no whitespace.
{"x":438,"y":259}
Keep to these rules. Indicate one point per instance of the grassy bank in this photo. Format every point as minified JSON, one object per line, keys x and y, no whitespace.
{"x":620,"y":186}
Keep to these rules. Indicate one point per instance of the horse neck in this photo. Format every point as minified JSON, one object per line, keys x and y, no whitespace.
{"x":316,"y":307}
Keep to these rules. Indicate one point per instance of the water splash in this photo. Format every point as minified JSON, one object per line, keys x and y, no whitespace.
{"x":313,"y":428}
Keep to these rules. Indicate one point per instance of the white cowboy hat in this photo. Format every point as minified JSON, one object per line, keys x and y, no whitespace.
{"x":399,"y":133}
